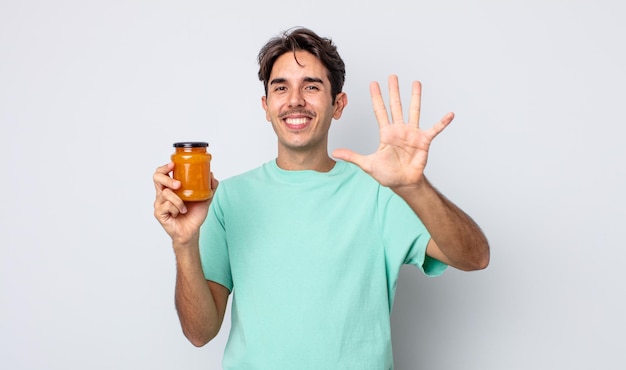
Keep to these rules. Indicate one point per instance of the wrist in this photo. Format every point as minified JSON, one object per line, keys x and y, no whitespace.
{"x":187,"y":256}
{"x":181,"y":245}
{"x":412,"y":190}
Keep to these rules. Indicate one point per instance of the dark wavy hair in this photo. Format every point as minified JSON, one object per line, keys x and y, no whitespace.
{"x":303,"y":39}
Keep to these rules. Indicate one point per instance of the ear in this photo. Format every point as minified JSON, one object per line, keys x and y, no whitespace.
{"x":340,"y":103}
{"x":265,"y":108}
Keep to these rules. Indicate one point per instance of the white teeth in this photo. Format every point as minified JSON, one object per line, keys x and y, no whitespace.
{"x":296,"y":121}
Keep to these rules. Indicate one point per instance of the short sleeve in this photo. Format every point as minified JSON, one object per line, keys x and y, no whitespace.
{"x":214,"y":246}
{"x":405,"y":236}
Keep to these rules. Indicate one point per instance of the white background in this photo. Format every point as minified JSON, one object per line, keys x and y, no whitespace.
{"x":93,"y":94}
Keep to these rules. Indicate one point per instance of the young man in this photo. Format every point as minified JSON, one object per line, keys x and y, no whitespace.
{"x":311,"y":245}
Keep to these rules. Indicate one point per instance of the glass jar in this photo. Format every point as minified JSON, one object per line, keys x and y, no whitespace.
{"x":192,"y":167}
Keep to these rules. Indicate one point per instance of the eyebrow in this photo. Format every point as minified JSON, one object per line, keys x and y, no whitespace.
{"x":313,"y":79}
{"x":280,"y":80}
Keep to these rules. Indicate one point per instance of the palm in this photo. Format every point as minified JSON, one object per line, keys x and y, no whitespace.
{"x":403,"y":151}
{"x":401,"y":156}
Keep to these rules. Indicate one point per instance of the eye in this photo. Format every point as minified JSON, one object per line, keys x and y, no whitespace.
{"x":312,"y":87}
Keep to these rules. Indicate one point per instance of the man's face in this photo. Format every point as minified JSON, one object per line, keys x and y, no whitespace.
{"x":298,"y":103}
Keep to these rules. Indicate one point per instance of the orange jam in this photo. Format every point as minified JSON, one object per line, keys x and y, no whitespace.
{"x":192,"y":167}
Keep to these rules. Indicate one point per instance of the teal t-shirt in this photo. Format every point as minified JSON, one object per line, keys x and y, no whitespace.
{"x":312,"y":260}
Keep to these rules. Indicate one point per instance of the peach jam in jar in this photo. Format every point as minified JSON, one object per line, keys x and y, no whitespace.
{"x":192,"y":167}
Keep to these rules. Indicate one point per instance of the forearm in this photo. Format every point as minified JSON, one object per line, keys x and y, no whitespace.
{"x":195,"y":305}
{"x":457,"y":236}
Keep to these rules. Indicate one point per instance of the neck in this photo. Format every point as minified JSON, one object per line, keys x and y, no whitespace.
{"x":305,"y":161}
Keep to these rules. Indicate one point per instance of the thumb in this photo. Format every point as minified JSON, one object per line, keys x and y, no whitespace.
{"x":352,"y":157}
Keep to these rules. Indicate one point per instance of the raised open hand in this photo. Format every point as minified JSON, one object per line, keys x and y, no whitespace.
{"x":401,"y":157}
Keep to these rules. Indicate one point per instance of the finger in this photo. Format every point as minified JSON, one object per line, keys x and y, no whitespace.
{"x":214,"y":182}
{"x":166,"y":210}
{"x":165,"y":214}
{"x":162,"y":179}
{"x":157,"y":177}
{"x":441,"y":125}
{"x":167,"y":202}
{"x":353,"y":157}
{"x":416,"y":103}
{"x":165,"y":169}
{"x":379,"y":105}
{"x":395,"y":103}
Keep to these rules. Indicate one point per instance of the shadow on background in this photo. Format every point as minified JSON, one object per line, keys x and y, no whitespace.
{"x":437,"y":316}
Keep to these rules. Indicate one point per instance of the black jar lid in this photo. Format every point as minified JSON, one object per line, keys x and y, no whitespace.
{"x":191,"y":144}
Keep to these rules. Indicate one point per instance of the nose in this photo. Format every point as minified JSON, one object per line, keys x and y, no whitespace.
{"x":296,"y":99}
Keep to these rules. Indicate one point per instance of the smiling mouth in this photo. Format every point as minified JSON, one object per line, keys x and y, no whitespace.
{"x":297,"y":123}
